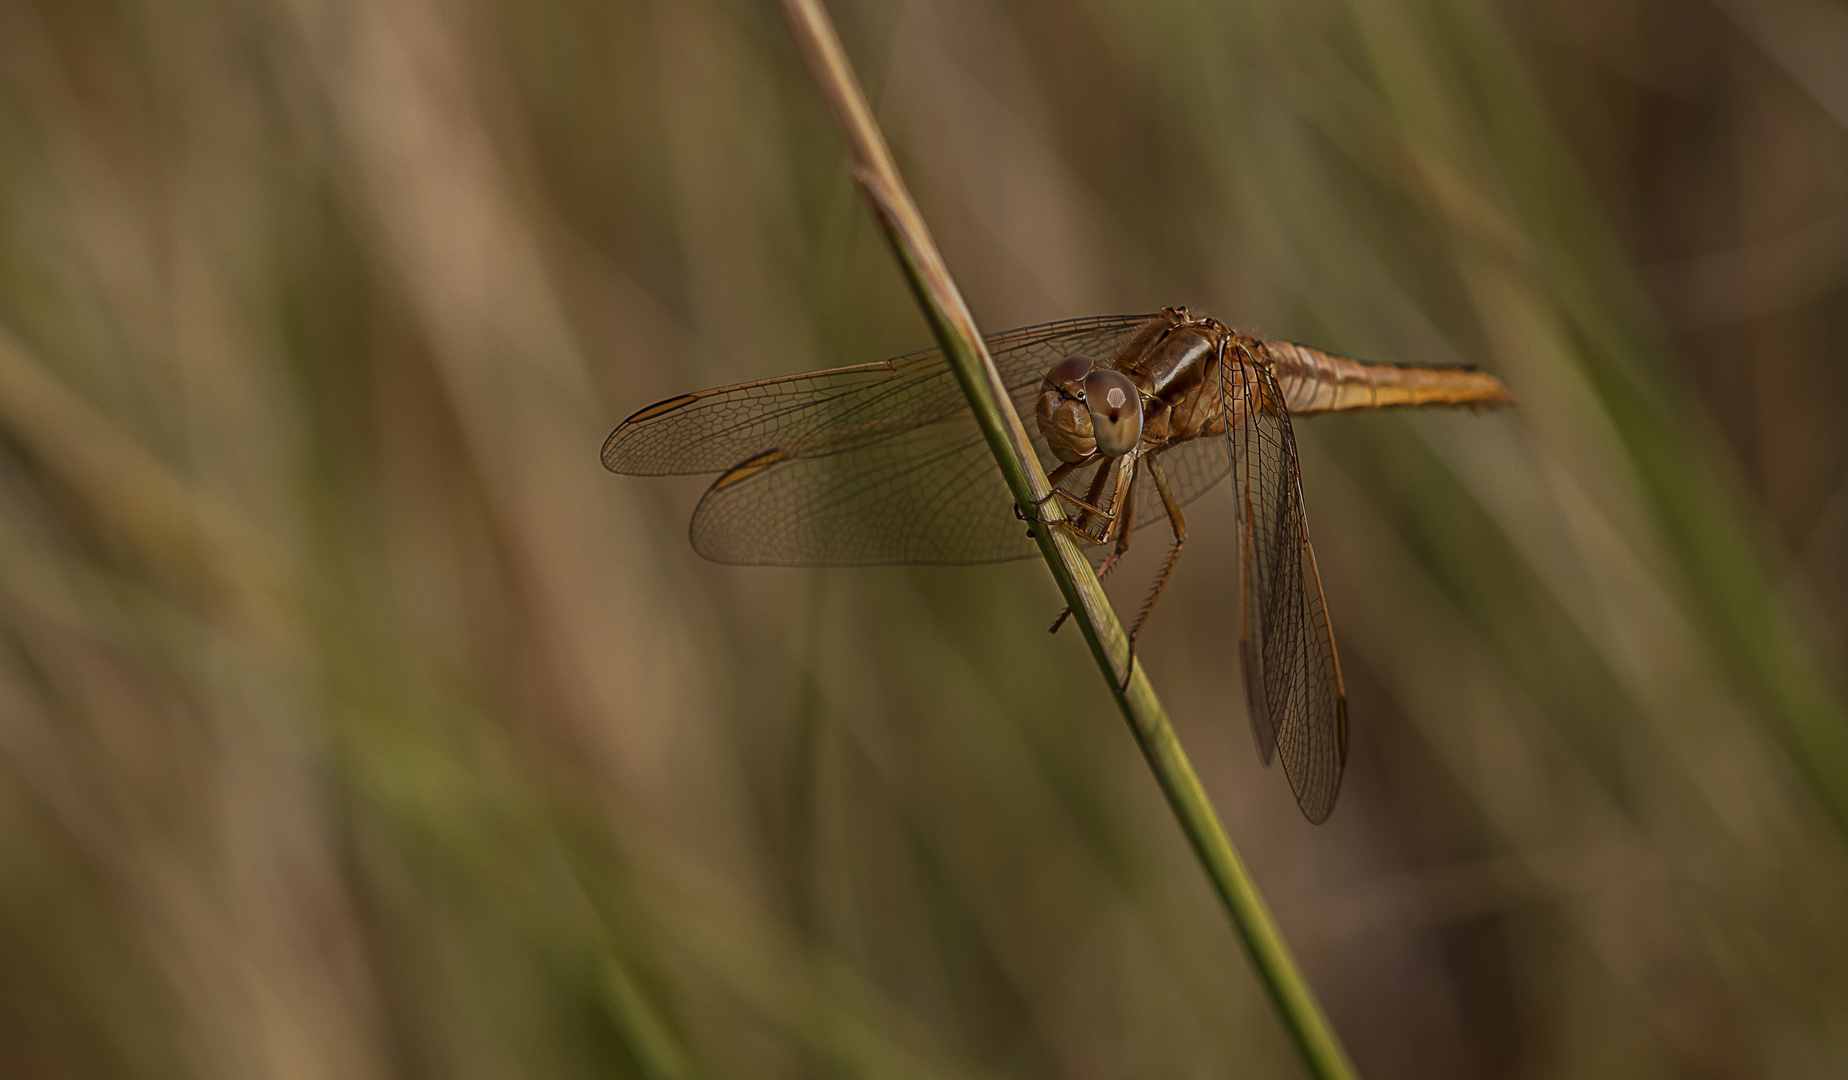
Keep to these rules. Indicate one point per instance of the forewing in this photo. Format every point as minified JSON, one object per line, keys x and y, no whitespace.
{"x":929,"y":494}
{"x":713,"y":430}
{"x":888,"y":469}
{"x":1293,"y":688}
{"x":827,"y":412}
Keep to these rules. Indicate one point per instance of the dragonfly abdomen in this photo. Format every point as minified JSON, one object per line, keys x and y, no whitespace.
{"x":1314,"y":382}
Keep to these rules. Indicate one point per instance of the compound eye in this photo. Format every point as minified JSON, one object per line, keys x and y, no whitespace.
{"x":1116,"y":411}
{"x":1070,"y":372}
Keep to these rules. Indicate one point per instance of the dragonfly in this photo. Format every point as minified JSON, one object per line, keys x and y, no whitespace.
{"x":1135,"y":417}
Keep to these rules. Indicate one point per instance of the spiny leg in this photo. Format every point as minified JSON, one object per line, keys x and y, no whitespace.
{"x":1053,"y":479}
{"x":1058,"y":475}
{"x":1126,"y":524}
{"x":1087,"y":507}
{"x":1094,"y":498}
{"x":1179,"y":524}
{"x":1126,"y":516}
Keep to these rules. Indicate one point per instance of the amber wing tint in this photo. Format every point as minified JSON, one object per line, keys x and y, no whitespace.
{"x":1295,"y":698}
{"x":877,"y":463}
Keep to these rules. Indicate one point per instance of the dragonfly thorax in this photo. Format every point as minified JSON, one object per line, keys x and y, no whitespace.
{"x":1173,"y":363}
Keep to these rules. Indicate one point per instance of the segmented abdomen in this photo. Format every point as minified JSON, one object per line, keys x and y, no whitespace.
{"x":1314,"y":382}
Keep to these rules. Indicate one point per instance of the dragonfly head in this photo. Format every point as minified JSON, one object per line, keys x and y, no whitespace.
{"x":1086,"y":409}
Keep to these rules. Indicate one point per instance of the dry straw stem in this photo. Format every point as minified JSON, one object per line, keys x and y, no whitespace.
{"x":955,"y":328}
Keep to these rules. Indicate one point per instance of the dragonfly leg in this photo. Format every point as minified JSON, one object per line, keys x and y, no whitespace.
{"x":1126,"y":524}
{"x":1065,"y":469}
{"x":1126,"y":514}
{"x":1090,"y":506}
{"x":1089,"y":509}
{"x":1094,"y":499}
{"x":1179,"y":524}
{"x":1057,"y":477}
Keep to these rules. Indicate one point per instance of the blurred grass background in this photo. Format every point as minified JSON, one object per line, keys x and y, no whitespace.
{"x":354,"y":723}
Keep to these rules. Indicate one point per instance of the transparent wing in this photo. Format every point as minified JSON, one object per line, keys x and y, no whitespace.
{"x":1293,"y":687}
{"x":928,"y":494}
{"x":828,"y":412}
{"x":880,"y":463}
{"x":1192,"y":468}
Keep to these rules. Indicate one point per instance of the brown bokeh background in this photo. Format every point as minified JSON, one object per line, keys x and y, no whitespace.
{"x":354,"y":723}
